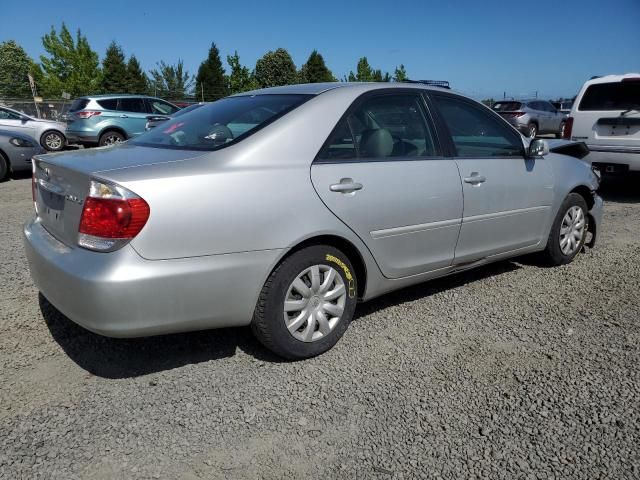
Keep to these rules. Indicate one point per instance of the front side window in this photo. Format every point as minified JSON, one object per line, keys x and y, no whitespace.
{"x":135,"y":105}
{"x":385,"y":126}
{"x":8,"y":115}
{"x":611,"y":96}
{"x":220,"y":123}
{"x":476,"y":132}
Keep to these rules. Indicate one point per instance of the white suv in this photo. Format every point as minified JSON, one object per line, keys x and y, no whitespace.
{"x":606,"y":116}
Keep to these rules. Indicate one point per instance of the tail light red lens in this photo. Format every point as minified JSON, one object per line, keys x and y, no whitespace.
{"x":114,"y":218}
{"x":568,"y":127}
{"x":87,"y":114}
{"x":518,"y":114}
{"x":111,"y":217}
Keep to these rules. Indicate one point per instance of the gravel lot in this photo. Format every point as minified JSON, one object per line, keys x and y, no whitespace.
{"x":511,"y":371}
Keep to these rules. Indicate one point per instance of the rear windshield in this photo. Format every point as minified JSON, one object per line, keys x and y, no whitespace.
{"x":78,"y":104}
{"x":611,"y":96}
{"x":507,"y":106}
{"x":220,"y":123}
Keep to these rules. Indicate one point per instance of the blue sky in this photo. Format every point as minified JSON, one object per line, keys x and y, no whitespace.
{"x":483,"y":47}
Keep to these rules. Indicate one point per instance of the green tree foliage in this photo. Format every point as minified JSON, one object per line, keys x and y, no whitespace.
{"x":400,"y":74}
{"x":114,"y":70}
{"x":315,"y":70}
{"x":364,"y":73}
{"x":15,"y":65}
{"x":211,"y":82}
{"x":171,"y":81}
{"x":69,"y":66}
{"x":137,"y":81}
{"x":275,"y":68}
{"x":240,"y":79}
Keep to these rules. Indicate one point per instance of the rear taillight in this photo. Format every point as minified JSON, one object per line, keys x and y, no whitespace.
{"x":87,"y":114}
{"x":111,"y":217}
{"x":568,"y":127}
{"x":517,"y":114}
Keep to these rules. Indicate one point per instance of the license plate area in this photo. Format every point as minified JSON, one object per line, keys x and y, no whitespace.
{"x":52,"y":206}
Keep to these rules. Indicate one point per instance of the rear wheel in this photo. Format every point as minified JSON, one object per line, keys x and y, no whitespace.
{"x":532,"y":130}
{"x":306,"y":303}
{"x":560,"y":133}
{"x":4,"y":168}
{"x":52,"y":141}
{"x":569,"y":231}
{"x":111,"y":137}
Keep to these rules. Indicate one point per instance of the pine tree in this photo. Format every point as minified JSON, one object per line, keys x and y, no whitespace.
{"x":364,"y":73}
{"x":240,"y":79}
{"x":211,"y":83}
{"x":276,"y":68}
{"x":15,"y":65}
{"x":114,"y":70}
{"x":315,"y":70}
{"x":400,"y":74}
{"x":137,"y":81}
{"x":171,"y":81}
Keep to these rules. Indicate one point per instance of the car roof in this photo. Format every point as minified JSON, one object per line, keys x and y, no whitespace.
{"x":318,"y":88}
{"x":612,"y":78}
{"x":115,"y":95}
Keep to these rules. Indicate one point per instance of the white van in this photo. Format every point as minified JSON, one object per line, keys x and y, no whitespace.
{"x":606,"y":116}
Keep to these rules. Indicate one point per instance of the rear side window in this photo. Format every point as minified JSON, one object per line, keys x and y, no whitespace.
{"x":476,"y":132}
{"x":78,"y":104}
{"x":507,"y":106}
{"x":220,"y":123}
{"x":135,"y":105}
{"x":8,"y":115}
{"x":109,"y":103}
{"x":611,"y":96}
{"x":162,"y":108}
{"x":385,"y":126}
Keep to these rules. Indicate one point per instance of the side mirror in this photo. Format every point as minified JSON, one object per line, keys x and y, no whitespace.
{"x":538,"y":148}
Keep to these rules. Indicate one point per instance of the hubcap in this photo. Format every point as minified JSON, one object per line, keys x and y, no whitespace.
{"x":532,"y":131}
{"x":314,"y":303}
{"x":572,"y":230}
{"x":112,"y":140}
{"x":53,"y":141}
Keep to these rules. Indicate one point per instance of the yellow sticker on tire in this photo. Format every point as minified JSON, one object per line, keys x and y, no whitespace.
{"x":347,"y":273}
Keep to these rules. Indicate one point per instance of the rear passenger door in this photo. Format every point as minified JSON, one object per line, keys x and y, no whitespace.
{"x":507,"y":197}
{"x":382,"y":173}
{"x":133,"y":115}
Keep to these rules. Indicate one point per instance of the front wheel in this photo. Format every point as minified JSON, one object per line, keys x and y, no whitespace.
{"x":4,"y":168}
{"x":53,"y":141}
{"x":568,"y":232}
{"x":532,"y":130}
{"x":306,"y":303}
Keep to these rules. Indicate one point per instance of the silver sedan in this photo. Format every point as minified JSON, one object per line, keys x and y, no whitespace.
{"x":48,"y":133}
{"x":282,"y":208}
{"x":16,"y":152}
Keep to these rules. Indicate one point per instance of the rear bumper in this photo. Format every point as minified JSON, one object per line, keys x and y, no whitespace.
{"x":120,"y":294}
{"x":603,"y":155}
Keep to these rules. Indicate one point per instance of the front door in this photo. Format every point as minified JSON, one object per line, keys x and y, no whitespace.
{"x":507,"y":197}
{"x":133,"y":115}
{"x":382,"y":173}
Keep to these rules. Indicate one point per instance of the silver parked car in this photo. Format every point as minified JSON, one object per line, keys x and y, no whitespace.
{"x":50,"y":134}
{"x":532,"y":117}
{"x":281,"y":208}
{"x":16,"y":152}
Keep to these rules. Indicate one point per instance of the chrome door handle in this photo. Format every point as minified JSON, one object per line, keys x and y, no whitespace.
{"x":346,"y":185}
{"x":124,"y":116}
{"x":475,"y":179}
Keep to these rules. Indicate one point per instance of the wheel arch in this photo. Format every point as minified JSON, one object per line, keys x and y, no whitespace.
{"x":584,"y":192}
{"x":113,"y":128}
{"x":342,"y":244}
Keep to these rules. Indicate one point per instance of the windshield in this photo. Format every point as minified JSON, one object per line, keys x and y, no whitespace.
{"x":506,"y":106}
{"x":220,"y":123}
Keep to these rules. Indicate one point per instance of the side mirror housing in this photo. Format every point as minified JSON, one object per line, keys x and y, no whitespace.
{"x":538,"y":148}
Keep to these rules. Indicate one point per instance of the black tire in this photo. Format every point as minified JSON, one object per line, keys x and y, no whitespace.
{"x":53,"y":141}
{"x":111,"y":137}
{"x":553,"y":255}
{"x":268,"y":322}
{"x":560,"y":133}
{"x":4,"y":168}
{"x":532,"y":130}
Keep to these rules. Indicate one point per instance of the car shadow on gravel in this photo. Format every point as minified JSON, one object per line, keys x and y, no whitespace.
{"x":432,"y":287}
{"x":132,"y":357}
{"x":621,"y":189}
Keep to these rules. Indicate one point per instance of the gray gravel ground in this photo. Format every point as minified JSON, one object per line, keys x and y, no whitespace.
{"x":511,"y":371}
